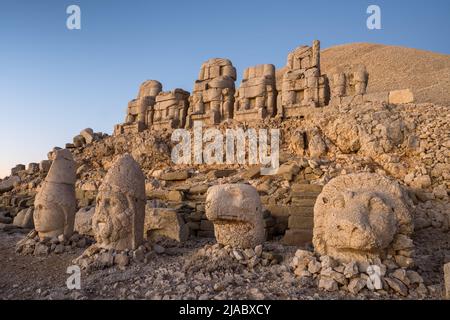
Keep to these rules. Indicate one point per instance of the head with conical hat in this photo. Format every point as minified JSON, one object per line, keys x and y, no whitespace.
{"x":55,"y":203}
{"x":118,"y":221}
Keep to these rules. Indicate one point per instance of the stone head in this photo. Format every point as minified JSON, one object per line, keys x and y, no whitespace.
{"x":358,"y":216}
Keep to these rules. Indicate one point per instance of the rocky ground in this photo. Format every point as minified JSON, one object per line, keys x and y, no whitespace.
{"x":190,"y":271}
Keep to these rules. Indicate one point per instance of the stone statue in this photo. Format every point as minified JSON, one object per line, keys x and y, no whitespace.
{"x":170,"y":109}
{"x":55,"y":203}
{"x":302,"y":85}
{"x":212,"y":99}
{"x":118,"y":221}
{"x":236,"y":211}
{"x":360,"y":217}
{"x":256,"y":97}
{"x":140,"y":110}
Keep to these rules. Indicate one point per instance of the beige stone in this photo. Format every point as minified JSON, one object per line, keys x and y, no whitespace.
{"x":302,"y":85}
{"x":236,"y":211}
{"x":140,"y":111}
{"x":83,"y":221}
{"x":8,"y":184}
{"x":165,"y":222}
{"x":55,"y":203}
{"x":24,"y":218}
{"x":118,"y":221}
{"x":359,"y":217}
{"x":170,"y":109}
{"x":256,"y":97}
{"x":401,"y":96}
{"x":447,"y":280}
{"x":212,"y":99}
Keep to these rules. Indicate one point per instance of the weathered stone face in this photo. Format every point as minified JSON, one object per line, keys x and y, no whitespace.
{"x":360,"y":216}
{"x":118,"y":220}
{"x":55,"y":203}
{"x":236,"y":211}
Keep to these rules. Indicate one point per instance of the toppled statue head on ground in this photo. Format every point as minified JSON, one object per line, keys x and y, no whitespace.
{"x":236,"y":211}
{"x":360,"y":216}
{"x":118,"y":221}
{"x":55,"y":203}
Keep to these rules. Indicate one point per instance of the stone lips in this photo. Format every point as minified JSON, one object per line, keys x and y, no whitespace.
{"x":358,"y":216}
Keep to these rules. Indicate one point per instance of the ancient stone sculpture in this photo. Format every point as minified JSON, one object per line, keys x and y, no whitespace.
{"x":256,"y":97}
{"x":118,"y":221}
{"x":213,"y":97}
{"x":302,"y":84}
{"x":360,"y":217}
{"x":140,"y":110}
{"x":236,"y":211}
{"x":170,"y":110}
{"x":55,"y":203}
{"x":348,"y":81}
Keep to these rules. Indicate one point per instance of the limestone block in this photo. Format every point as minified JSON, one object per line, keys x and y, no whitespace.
{"x":8,"y":184}
{"x":24,"y":219}
{"x":401,"y":96}
{"x":83,"y":221}
{"x":165,"y":222}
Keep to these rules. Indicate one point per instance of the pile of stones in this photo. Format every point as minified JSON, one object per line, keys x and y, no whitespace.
{"x":33,"y":245}
{"x":95,"y":257}
{"x":250,"y":257}
{"x":380,"y":278}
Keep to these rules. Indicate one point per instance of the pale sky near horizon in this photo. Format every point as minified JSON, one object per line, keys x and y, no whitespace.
{"x":55,"y":82}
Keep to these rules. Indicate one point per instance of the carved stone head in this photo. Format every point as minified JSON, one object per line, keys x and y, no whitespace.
{"x":118,"y":220}
{"x":358,"y":217}
{"x":236,"y":211}
{"x":55,"y":203}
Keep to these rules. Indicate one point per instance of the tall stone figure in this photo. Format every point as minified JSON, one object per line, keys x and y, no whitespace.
{"x":55,"y":203}
{"x":118,"y":221}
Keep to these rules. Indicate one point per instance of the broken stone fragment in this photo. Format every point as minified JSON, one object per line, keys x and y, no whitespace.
{"x":83,"y":221}
{"x":24,"y":219}
{"x":165,"y":222}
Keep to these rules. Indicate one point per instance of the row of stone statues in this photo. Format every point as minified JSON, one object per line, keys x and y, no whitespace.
{"x":356,"y":217}
{"x":119,"y":217}
{"x":215,"y":99}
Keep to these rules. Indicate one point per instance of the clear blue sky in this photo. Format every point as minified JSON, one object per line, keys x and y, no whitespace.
{"x":55,"y":82}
